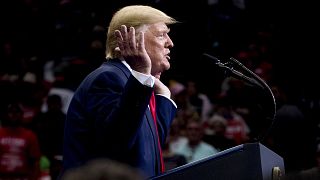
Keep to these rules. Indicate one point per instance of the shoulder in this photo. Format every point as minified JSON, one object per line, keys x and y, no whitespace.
{"x":209,"y":147}
{"x":111,"y":70}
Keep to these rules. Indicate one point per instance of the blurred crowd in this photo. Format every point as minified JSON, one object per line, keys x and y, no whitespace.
{"x":47,"y":48}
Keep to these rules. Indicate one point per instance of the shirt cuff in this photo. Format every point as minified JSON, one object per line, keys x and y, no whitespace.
{"x":144,"y":79}
{"x":175,"y":105}
{"x":148,"y":80}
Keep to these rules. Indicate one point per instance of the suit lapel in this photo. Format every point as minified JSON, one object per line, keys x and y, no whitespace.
{"x":127,"y":73}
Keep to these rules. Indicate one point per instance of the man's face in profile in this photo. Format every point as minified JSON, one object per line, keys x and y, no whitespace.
{"x":158,"y":44}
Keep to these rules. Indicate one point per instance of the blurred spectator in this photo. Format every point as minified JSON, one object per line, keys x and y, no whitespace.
{"x":173,"y":141}
{"x":215,"y":131}
{"x":185,"y":111}
{"x":31,"y":97}
{"x":59,"y":88}
{"x":176,"y":134}
{"x":199,"y":100}
{"x":290,"y":134}
{"x":170,"y":158}
{"x":236,"y":127}
{"x":49,"y":126}
{"x":312,"y":173}
{"x":19,"y":148}
{"x":195,"y":148}
{"x":175,"y":87}
{"x":103,"y":169}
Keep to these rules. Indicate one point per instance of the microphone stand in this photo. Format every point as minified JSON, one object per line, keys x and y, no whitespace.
{"x":265,"y":86}
{"x":253,"y":80}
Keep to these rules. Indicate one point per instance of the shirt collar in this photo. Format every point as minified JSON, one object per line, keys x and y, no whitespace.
{"x":126,"y":64}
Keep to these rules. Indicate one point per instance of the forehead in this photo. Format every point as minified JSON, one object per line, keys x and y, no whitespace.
{"x":158,"y":27}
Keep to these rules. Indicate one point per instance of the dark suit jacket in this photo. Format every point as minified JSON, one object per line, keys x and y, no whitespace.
{"x":109,"y":118}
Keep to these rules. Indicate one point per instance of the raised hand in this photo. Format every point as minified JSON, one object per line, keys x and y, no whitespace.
{"x":133,"y":49}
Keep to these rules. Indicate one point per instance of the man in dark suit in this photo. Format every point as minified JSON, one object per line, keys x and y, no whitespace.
{"x":109,"y":115}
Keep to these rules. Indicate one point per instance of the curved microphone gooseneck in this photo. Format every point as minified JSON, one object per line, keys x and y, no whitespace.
{"x":253,"y":80}
{"x":266,"y":87}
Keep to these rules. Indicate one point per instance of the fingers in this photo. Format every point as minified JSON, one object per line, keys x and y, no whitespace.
{"x":119,"y":40}
{"x":141,"y":41}
{"x":132,"y":39}
{"x":126,"y":40}
{"x":124,"y":33}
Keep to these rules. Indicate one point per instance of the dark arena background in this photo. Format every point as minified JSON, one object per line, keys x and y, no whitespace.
{"x":54,"y":44}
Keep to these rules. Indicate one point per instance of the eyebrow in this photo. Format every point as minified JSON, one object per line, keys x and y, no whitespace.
{"x":163,"y":30}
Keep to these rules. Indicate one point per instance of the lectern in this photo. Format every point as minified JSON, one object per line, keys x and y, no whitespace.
{"x":250,"y":161}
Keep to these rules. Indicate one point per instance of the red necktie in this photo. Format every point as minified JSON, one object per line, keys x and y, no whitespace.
{"x":153,"y":112}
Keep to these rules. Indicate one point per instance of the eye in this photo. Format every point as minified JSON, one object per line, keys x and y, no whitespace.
{"x":162,"y":35}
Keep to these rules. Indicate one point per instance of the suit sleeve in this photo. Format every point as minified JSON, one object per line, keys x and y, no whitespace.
{"x":117,"y":109}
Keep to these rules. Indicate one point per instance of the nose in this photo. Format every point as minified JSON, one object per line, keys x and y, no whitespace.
{"x":169,"y":43}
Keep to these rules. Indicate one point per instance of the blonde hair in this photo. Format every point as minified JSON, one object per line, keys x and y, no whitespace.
{"x":135,"y":16}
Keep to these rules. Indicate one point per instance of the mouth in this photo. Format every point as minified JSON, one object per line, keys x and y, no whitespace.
{"x":167,"y":56}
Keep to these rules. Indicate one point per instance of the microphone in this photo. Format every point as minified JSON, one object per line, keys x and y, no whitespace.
{"x":231,"y":71}
{"x":254,"y":79}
